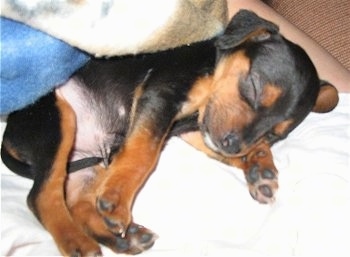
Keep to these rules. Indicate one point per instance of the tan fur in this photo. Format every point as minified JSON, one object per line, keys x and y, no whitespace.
{"x":225,"y":98}
{"x":327,"y":99}
{"x":198,"y":96}
{"x":282,"y":127}
{"x":125,"y":176}
{"x":270,"y":95}
{"x":51,"y":198}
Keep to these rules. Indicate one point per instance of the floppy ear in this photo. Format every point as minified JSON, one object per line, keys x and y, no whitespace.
{"x":243,"y":26}
{"x":327,"y":98}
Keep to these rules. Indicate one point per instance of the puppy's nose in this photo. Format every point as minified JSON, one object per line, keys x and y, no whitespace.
{"x":230,"y":144}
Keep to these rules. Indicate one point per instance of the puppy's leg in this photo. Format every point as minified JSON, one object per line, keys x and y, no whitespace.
{"x":42,"y":136}
{"x":154,"y":112}
{"x":48,"y":198}
{"x":82,"y":206}
{"x":258,"y":167}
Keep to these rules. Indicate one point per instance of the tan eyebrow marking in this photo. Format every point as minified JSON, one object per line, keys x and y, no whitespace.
{"x":270,"y":95}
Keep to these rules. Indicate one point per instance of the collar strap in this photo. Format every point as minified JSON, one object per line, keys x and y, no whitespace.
{"x":83,"y":163}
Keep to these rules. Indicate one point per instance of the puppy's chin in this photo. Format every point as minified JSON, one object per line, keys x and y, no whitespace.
{"x":209,"y":142}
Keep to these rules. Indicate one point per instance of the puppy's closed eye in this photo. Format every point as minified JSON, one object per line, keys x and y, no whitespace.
{"x":251,"y":89}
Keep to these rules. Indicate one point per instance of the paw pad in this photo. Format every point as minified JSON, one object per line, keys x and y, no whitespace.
{"x":105,"y":206}
{"x":136,"y":240}
{"x":262,"y":184}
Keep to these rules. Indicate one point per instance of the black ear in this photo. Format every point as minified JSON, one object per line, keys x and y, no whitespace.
{"x":243,"y":26}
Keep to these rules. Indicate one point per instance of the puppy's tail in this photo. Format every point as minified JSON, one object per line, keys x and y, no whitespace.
{"x":20,"y":168}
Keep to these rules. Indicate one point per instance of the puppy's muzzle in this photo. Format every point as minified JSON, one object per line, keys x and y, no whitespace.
{"x":227,"y":145}
{"x":230,"y":144}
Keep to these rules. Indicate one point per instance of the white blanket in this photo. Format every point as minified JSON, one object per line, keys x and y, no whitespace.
{"x":200,"y":207}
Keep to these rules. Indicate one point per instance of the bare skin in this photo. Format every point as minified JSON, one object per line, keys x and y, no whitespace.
{"x":327,"y":66}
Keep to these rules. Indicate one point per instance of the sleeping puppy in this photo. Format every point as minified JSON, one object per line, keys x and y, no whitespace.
{"x":91,"y":145}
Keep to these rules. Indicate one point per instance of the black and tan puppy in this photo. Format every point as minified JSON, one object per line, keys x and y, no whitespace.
{"x":241,"y":92}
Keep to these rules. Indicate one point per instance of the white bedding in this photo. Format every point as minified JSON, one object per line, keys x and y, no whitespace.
{"x":200,"y":207}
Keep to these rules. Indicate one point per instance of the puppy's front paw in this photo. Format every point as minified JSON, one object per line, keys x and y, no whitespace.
{"x":261,"y":174}
{"x":136,"y":240}
{"x":114,"y":208}
{"x":262,"y":183}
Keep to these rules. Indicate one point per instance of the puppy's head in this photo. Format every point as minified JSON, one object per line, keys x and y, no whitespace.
{"x":263,"y":87}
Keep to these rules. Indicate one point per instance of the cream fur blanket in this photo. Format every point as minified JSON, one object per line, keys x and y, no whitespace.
{"x":117,"y":27}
